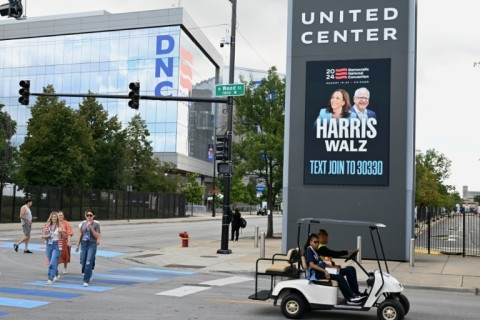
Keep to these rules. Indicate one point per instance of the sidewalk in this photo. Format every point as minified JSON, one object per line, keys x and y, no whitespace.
{"x":444,"y":272}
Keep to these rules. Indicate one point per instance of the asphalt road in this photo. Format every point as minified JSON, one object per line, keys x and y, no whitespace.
{"x":123,"y":289}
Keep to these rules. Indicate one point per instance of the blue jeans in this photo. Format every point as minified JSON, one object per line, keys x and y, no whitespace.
{"x":87,"y":258}
{"x":53,"y":255}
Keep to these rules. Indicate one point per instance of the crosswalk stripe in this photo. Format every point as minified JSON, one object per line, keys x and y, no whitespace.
{"x":182,"y":291}
{"x":226,"y":281}
{"x":116,"y":276}
{"x":41,"y":247}
{"x":145,"y":273}
{"x":42,"y":293}
{"x":21,"y":303}
{"x":69,"y":286}
{"x":163,"y":271}
{"x":105,"y":281}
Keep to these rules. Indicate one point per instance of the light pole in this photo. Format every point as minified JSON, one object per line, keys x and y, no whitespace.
{"x":226,"y":197}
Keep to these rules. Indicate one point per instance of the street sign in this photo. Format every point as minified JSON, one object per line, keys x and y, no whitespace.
{"x":226,"y":90}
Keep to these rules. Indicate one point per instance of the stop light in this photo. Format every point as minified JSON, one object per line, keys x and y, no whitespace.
{"x":24,"y":92}
{"x":222,"y":146}
{"x":134,"y":95}
{"x":12,"y":9}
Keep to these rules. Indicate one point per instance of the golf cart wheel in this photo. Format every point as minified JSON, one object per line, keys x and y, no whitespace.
{"x":293,"y":306}
{"x":405,"y":303}
{"x":391,"y":309}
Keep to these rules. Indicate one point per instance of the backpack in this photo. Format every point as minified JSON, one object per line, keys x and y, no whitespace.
{"x":243,"y":223}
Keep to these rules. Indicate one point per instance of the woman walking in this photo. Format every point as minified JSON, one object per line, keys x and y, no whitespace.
{"x":66,"y":242}
{"x":52,"y":233}
{"x":89,"y":240}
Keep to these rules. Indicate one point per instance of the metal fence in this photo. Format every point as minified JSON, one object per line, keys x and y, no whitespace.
{"x":446,"y":232}
{"x":107,"y":204}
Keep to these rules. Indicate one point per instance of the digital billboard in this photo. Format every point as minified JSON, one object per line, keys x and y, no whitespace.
{"x":347,"y":141}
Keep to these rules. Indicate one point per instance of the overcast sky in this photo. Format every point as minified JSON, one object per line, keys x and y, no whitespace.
{"x":448,"y":84}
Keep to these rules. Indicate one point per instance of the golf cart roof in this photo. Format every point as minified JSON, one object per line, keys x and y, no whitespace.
{"x":341,"y":222}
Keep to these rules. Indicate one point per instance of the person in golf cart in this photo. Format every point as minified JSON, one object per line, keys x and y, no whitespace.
{"x":316,"y":271}
{"x":326,"y":256}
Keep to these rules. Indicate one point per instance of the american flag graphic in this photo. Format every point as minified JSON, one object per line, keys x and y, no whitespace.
{"x":186,"y":73}
{"x":341,"y":73}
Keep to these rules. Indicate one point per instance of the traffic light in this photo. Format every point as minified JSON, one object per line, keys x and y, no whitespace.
{"x":12,"y":9}
{"x":222,"y":147}
{"x":24,"y":92}
{"x":134,"y":95}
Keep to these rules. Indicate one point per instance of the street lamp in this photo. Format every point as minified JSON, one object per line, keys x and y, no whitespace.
{"x":226,"y":197}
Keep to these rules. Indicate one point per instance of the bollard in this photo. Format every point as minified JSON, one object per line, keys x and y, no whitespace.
{"x":412,"y":252}
{"x":262,"y":245}
{"x":359,"y":247}
{"x":255,"y":239}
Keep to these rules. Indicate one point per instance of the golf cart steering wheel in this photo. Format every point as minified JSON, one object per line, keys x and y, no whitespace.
{"x":352,"y":256}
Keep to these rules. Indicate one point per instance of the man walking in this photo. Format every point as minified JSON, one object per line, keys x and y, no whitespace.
{"x":27,"y":220}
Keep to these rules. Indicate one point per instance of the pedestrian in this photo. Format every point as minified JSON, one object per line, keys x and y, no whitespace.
{"x":52,"y":233}
{"x":236,"y":224}
{"x":89,"y":239}
{"x":26,"y":220}
{"x":66,"y":242}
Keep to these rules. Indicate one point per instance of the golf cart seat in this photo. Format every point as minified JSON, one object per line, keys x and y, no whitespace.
{"x":284,"y":265}
{"x":281,"y":265}
{"x":321,"y":282}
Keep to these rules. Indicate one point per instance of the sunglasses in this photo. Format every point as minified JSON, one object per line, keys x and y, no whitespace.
{"x":89,"y":215}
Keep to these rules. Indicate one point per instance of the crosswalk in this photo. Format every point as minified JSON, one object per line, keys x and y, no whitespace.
{"x":37,"y":293}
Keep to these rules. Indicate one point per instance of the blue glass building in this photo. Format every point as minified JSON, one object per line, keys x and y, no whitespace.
{"x":101,"y":52}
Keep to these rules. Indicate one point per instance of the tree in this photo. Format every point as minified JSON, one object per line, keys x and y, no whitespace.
{"x":8,"y":128}
{"x":432,"y":169}
{"x":193,"y":190}
{"x":57,"y":146}
{"x":138,"y":155}
{"x":476,"y":198}
{"x":259,"y":121}
{"x":108,"y":159}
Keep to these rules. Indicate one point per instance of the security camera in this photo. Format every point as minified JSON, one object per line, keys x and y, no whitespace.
{"x":225,"y":40}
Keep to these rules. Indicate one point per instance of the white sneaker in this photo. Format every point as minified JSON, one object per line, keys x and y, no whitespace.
{"x":49,"y":282}
{"x":65,"y":271}
{"x":56,"y":278}
{"x":85,"y":284}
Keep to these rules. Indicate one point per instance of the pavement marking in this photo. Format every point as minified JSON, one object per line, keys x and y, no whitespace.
{"x":227,"y":281}
{"x":145,"y":273}
{"x":182,"y":291}
{"x":164,"y":271}
{"x":3,"y":313}
{"x":105,"y":281}
{"x":116,"y":276}
{"x":21,"y":303}
{"x":69,"y":286}
{"x":239,"y":301}
{"x":186,"y":290}
{"x":41,"y":247}
{"x":42,"y":293}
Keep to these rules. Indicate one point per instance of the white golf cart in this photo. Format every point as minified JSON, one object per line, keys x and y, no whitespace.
{"x":300,"y":295}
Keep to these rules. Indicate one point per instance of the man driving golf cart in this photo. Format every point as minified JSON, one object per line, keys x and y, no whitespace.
{"x":318,"y":263}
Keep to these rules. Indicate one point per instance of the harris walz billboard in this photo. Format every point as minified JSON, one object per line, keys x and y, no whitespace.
{"x":347,"y":114}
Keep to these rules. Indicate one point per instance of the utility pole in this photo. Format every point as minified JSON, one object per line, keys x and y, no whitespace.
{"x":226,"y":197}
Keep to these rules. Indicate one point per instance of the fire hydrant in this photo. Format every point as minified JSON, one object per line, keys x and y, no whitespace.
{"x":184,"y":236}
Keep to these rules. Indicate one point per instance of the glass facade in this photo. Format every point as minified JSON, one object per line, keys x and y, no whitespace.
{"x":164,"y":60}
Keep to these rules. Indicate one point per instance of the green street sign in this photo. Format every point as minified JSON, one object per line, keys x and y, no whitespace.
{"x":226,"y":90}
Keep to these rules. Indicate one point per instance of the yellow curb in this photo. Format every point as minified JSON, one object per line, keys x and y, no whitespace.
{"x":426,"y":251}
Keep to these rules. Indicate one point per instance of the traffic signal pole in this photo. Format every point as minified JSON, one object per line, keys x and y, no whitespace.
{"x":226,"y":197}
